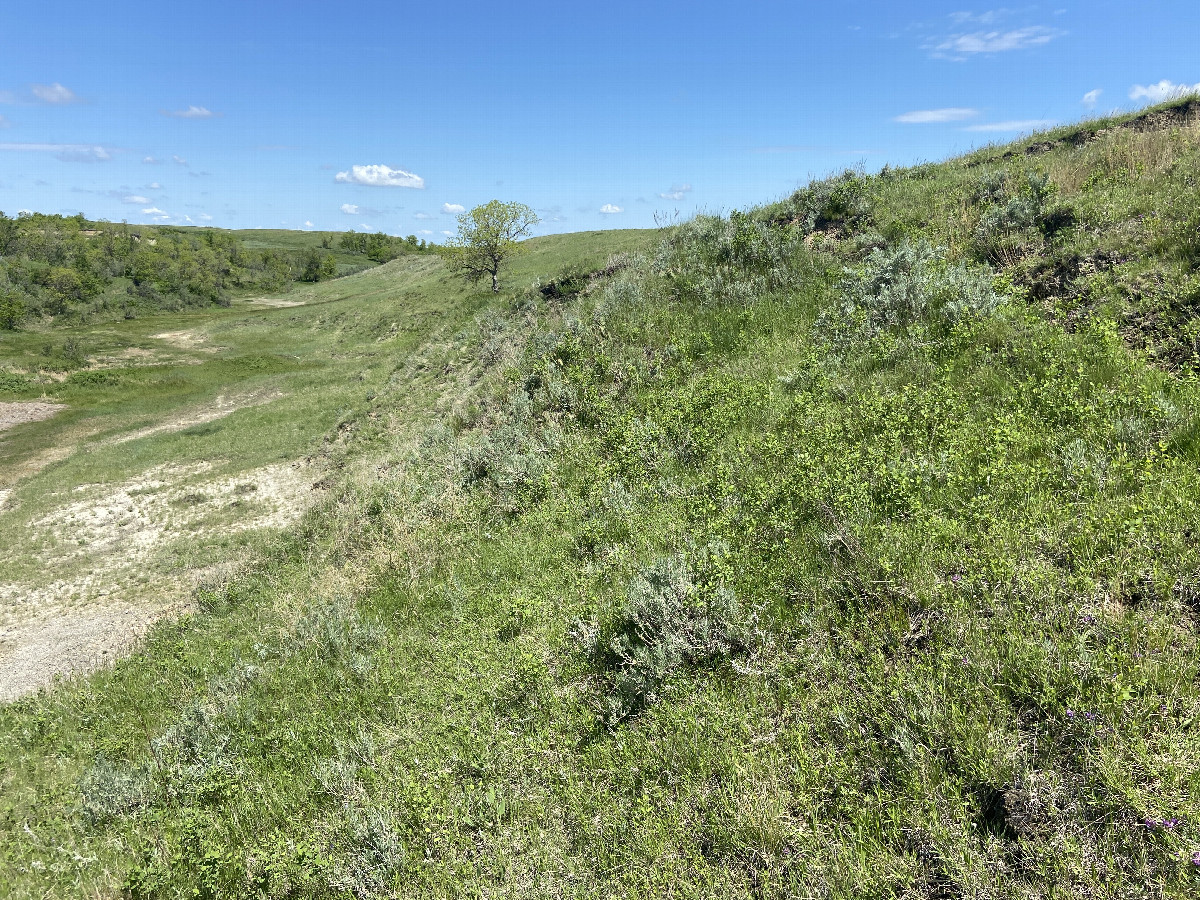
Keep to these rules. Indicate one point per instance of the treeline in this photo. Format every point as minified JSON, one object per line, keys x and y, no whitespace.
{"x":68,"y":266}
{"x":377,"y":247}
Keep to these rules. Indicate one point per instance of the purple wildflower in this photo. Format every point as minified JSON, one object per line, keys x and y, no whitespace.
{"x":1070,"y":713}
{"x":956,"y":578}
{"x":1196,"y":858}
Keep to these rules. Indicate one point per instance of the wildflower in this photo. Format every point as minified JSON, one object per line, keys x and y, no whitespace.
{"x":1070,"y":713}
{"x":1196,"y":858}
{"x":956,"y":578}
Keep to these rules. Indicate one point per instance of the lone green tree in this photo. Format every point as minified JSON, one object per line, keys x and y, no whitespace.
{"x":487,"y":237}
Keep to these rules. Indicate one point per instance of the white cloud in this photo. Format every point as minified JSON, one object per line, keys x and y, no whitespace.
{"x":380,"y":176}
{"x":154,"y":211}
{"x":65,"y":152}
{"x":1164,"y":90}
{"x":609,"y":209}
{"x":984,"y":18}
{"x":134,"y":198}
{"x":934,"y":116}
{"x":53,"y":93}
{"x":1091,"y":97}
{"x":350,"y":209}
{"x":205,"y":217}
{"x":179,"y":160}
{"x":150,"y":161}
{"x":192,"y":112}
{"x":1017,"y":125}
{"x":448,"y":233}
{"x":422,"y":215}
{"x":154,"y":186}
{"x":676,"y":192}
{"x":453,"y":209}
{"x":308,"y":224}
{"x":424,"y":231}
{"x":993,"y":41}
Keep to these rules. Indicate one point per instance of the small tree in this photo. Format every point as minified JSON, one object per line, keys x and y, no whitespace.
{"x":487,"y":237}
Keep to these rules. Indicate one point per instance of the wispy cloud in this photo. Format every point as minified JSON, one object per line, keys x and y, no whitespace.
{"x":677,"y":192}
{"x":65,"y":152}
{"x":308,"y":224}
{"x":154,"y":211}
{"x":610,"y":209}
{"x":422,"y":215}
{"x":204,"y":217}
{"x":1015,"y":125}
{"x":350,"y":209}
{"x":934,"y":116}
{"x":962,"y":46}
{"x":151,"y":161}
{"x":54,"y":94}
{"x":179,"y":160}
{"x":135,"y":199}
{"x":1164,"y":90}
{"x":380,"y":176}
{"x":192,"y":112}
{"x":453,"y":209}
{"x":4,"y":123}
{"x":1091,"y":98}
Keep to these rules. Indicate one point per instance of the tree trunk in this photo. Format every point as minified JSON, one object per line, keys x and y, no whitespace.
{"x":495,"y":282}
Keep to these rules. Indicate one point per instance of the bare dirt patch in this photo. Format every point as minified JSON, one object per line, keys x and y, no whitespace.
{"x":186,"y":340}
{"x":12,"y":414}
{"x":103,"y":582}
{"x":274,"y":303}
{"x":60,"y":642}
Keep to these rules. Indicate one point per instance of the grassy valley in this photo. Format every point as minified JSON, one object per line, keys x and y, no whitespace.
{"x":844,"y":546}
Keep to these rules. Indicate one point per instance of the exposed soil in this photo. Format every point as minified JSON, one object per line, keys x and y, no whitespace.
{"x":113,"y":535}
{"x":60,"y":642}
{"x":186,"y":340}
{"x":12,"y":414}
{"x":270,"y":302}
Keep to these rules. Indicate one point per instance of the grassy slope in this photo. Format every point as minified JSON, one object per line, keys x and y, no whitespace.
{"x":652,"y":592}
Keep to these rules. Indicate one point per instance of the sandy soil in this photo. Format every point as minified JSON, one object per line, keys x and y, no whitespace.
{"x":273,"y":303}
{"x":20,"y":413}
{"x":63,"y":641}
{"x":112,"y":534}
{"x":186,"y":340}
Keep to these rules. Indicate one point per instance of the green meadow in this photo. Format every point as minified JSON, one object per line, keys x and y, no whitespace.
{"x":845,"y":546}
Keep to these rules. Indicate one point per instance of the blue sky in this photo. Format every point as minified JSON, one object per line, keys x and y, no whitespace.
{"x":390,"y":116}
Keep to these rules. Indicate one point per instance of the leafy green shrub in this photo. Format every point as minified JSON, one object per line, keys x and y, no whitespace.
{"x":840,"y":202}
{"x":12,"y":310}
{"x":14,"y":381}
{"x":670,"y":622}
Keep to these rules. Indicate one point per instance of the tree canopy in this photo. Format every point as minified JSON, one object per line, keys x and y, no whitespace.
{"x":487,"y":237}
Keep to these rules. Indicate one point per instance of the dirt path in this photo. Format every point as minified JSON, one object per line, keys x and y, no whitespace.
{"x":21,"y":413}
{"x":60,"y":642}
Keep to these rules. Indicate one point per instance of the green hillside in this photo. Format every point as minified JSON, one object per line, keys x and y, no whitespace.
{"x":843,"y":547}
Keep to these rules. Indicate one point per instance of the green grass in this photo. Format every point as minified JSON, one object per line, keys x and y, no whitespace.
{"x":766,"y":565}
